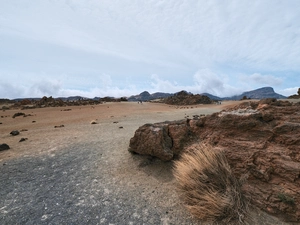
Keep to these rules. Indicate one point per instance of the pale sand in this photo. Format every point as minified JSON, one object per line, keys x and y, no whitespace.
{"x":109,"y":184}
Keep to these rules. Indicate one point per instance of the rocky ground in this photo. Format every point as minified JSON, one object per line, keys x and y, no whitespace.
{"x":69,"y":171}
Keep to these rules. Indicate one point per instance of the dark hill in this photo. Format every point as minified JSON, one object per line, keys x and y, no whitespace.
{"x":185,"y":98}
{"x":146,"y":96}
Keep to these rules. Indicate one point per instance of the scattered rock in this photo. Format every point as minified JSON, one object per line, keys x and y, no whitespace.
{"x":120,"y":127}
{"x":66,"y":110}
{"x":33,"y":121}
{"x":23,"y":139}
{"x":59,"y":126}
{"x":18,"y":114}
{"x":23,"y":130}
{"x":4,"y":147}
{"x":115,"y":122}
{"x":15,"y":132}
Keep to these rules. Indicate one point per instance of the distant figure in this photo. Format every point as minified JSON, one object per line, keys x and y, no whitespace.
{"x":140,"y":101}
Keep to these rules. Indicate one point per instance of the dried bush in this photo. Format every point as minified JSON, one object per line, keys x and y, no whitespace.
{"x":208,"y":187}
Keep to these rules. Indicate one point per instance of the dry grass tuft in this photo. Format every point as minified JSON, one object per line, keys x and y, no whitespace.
{"x":207,"y":186}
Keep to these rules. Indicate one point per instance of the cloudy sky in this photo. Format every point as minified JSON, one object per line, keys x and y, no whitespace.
{"x":123,"y":47}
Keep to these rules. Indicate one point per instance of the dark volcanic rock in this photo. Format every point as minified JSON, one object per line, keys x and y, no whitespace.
{"x":4,"y":147}
{"x":18,"y":114}
{"x":15,"y":132}
{"x":260,"y":140}
{"x":23,"y":139}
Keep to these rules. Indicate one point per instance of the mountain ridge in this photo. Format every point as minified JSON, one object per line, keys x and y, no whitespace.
{"x":260,"y":93}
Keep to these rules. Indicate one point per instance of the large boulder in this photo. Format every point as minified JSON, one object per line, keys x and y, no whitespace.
{"x":162,"y":140}
{"x":261,"y":141}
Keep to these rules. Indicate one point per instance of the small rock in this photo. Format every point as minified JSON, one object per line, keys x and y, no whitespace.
{"x":59,"y":126}
{"x":33,"y":121}
{"x":18,"y":114}
{"x":15,"y":132}
{"x":23,"y":139}
{"x":94,"y":122}
{"x":4,"y":147}
{"x":23,"y":130}
{"x":115,"y":122}
{"x":120,"y":127}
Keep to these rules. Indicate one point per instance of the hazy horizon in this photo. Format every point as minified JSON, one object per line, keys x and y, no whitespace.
{"x":121,"y":48}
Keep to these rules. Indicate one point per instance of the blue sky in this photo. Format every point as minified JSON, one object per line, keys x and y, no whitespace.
{"x":123,"y":47}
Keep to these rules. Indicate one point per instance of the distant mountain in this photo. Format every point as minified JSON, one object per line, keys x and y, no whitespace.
{"x":213,"y":97}
{"x":146,"y":96}
{"x":264,"y":92}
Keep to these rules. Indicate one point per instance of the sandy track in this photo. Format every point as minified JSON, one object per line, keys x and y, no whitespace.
{"x":83,"y":173}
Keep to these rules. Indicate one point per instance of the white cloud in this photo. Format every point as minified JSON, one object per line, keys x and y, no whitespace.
{"x":289,"y":91}
{"x":262,"y":80}
{"x":132,"y":38}
{"x":209,"y":82}
{"x":204,"y":80}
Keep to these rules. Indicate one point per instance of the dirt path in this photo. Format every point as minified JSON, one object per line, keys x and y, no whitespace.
{"x":83,"y":173}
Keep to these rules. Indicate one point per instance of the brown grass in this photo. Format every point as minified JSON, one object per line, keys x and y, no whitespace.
{"x":207,"y":186}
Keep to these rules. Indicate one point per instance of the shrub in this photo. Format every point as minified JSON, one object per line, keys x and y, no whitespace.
{"x":208,"y":187}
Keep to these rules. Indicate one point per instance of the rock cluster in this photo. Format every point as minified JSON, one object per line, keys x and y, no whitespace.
{"x":261,"y":140}
{"x":185,"y":98}
{"x":59,"y":102}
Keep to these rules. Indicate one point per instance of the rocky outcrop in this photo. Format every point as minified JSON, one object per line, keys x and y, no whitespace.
{"x":61,"y":102}
{"x":185,"y":98}
{"x":146,"y":96}
{"x":261,"y":141}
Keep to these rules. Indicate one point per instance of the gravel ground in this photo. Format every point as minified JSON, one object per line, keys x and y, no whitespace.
{"x":83,"y":173}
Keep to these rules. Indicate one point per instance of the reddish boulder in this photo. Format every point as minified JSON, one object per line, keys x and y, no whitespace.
{"x":162,"y":140}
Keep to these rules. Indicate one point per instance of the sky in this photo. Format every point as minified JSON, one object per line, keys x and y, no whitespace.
{"x":98,"y":48}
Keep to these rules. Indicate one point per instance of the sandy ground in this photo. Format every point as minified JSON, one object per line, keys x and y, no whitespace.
{"x":83,"y":173}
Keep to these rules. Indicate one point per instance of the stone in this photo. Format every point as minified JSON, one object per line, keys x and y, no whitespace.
{"x":15,"y":132}
{"x":18,"y":114}
{"x":152,"y":140}
{"x":23,"y":139}
{"x":163,"y":140}
{"x":94,"y":122}
{"x":4,"y":147}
